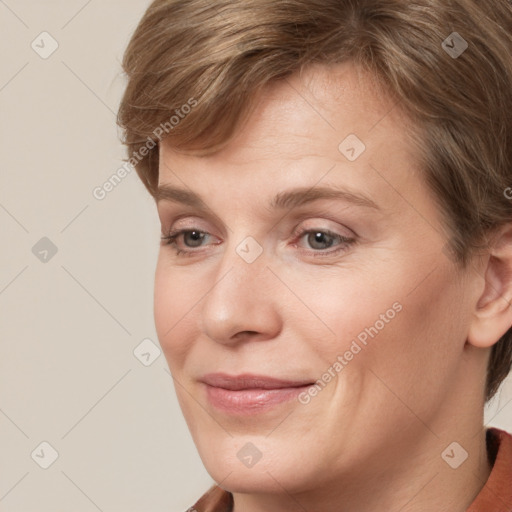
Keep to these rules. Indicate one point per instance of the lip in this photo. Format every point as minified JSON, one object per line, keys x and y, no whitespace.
{"x":248,"y":394}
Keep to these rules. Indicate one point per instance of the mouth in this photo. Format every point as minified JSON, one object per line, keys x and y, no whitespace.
{"x":249,"y":394}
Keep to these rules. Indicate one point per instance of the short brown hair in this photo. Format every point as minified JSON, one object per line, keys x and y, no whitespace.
{"x":222,"y":53}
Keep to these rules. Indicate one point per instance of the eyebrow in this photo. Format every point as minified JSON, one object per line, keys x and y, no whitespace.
{"x":288,"y":199}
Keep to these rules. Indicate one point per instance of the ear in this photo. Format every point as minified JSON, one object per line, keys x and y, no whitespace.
{"x":492,"y":315}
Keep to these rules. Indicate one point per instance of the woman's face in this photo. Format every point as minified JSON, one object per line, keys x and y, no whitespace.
{"x":315,"y":253}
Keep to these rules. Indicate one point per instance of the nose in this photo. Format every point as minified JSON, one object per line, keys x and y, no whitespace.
{"x":243,"y":302}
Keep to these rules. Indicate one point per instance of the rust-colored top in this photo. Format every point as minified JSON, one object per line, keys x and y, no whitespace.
{"x":495,"y":496}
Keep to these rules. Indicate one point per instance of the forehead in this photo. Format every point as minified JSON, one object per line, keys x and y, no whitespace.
{"x":310,"y":113}
{"x":303,"y":126}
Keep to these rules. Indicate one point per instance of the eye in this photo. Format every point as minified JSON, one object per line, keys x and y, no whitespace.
{"x":318,"y":239}
{"x":191,"y":238}
{"x":196,"y":237}
{"x":322,"y":239}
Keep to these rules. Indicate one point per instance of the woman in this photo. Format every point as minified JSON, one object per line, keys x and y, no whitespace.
{"x":350,"y":376}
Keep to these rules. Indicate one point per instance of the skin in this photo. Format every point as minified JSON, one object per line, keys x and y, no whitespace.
{"x":372,"y":438}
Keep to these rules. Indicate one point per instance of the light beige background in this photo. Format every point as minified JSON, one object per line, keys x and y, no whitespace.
{"x":69,"y":325}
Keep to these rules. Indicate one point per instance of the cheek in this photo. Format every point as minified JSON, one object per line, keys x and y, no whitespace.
{"x":337,"y":310}
{"x":173,"y":306}
{"x":417,"y":356}
{"x":383,"y":323}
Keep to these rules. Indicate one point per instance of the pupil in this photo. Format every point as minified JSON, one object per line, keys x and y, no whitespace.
{"x":197,"y":236}
{"x":318,"y":236}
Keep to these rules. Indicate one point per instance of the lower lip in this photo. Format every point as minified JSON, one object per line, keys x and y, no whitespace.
{"x":250,"y":401}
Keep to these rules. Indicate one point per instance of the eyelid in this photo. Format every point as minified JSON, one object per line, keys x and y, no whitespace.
{"x":194,"y":220}
{"x":312,"y":223}
{"x":189,"y":221}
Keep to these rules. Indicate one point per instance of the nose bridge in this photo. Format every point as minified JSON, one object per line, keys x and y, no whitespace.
{"x":245,"y":261}
{"x":240,"y":297}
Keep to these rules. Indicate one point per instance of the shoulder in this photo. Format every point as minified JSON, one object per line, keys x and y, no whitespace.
{"x":497,"y":491}
{"x":215,"y":499}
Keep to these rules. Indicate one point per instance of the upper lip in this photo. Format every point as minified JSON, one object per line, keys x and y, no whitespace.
{"x":249,"y":381}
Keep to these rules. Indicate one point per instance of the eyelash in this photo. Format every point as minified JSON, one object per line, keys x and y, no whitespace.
{"x":170,"y":240}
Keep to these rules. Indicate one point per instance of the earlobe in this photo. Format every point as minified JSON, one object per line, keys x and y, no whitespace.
{"x":492,"y":315}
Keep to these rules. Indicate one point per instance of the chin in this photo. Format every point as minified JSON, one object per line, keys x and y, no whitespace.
{"x":251,"y":481}
{"x":230,"y":465}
